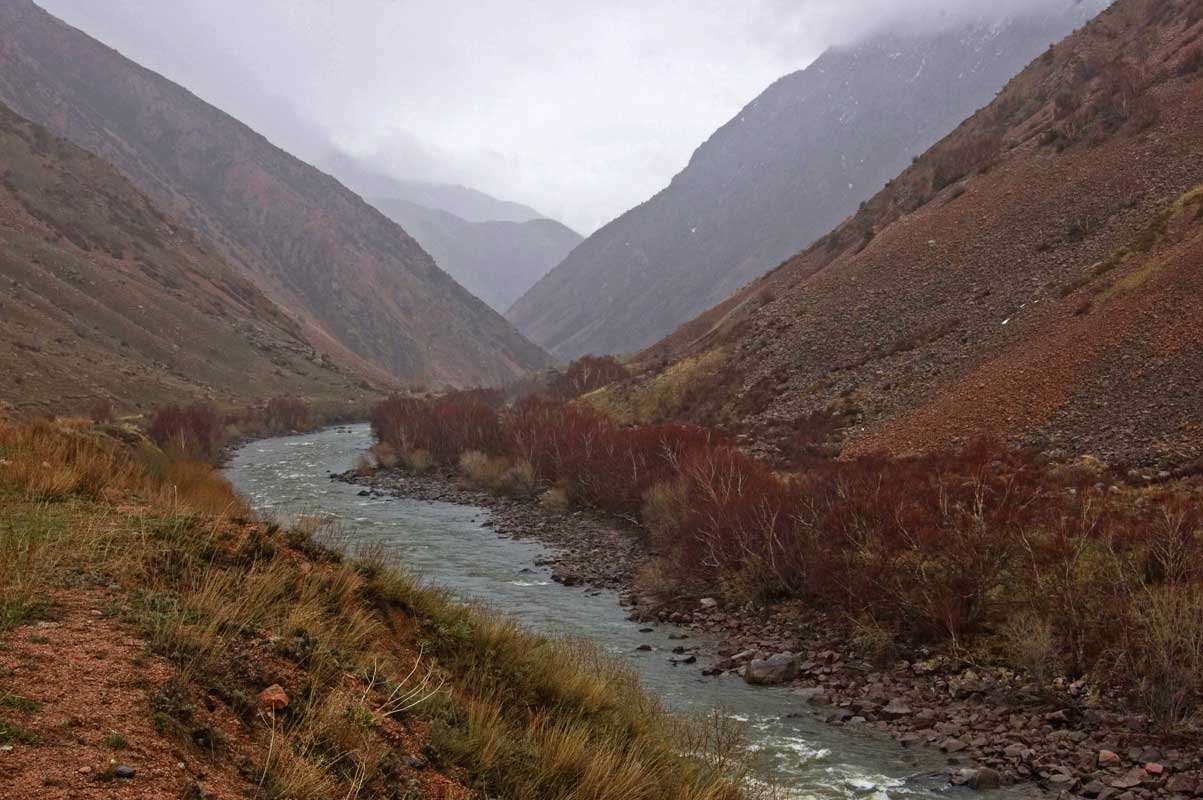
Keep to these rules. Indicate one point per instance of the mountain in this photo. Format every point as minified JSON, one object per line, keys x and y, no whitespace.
{"x":496,"y":261}
{"x":1037,"y":275}
{"x":494,"y":248}
{"x":785,"y":170}
{"x":467,"y":204}
{"x":105,"y":297}
{"x":361,"y":289}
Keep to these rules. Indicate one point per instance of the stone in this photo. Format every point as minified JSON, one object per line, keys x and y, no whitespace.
{"x":953,"y":745}
{"x":772,"y":671}
{"x":1182,"y":784}
{"x":814,"y":695}
{"x":273,"y":698}
{"x":566,"y":578}
{"x":690,"y":659}
{"x":1094,"y":788}
{"x":125,"y":772}
{"x":707,"y":603}
{"x":644,"y":648}
{"x":1017,"y":750}
{"x":1130,"y":780}
{"x":896,"y":708}
{"x":1153,"y":768}
{"x":414,"y":762}
{"x":982,"y":780}
{"x":1107,"y":758}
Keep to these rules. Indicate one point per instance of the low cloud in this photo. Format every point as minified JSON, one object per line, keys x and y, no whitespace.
{"x":580,"y":109}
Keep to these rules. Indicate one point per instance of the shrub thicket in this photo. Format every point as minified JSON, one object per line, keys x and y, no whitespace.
{"x":196,"y":430}
{"x":955,"y":546}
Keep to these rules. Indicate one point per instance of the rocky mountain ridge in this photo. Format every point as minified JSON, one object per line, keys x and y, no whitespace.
{"x":790,"y":166}
{"x":1033,"y":276}
{"x":362,"y":291}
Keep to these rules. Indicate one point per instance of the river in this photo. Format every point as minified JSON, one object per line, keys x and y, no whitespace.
{"x":449,"y":546}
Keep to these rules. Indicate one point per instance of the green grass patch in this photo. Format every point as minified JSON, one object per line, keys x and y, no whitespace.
{"x":13,"y":733}
{"x":17,"y":703}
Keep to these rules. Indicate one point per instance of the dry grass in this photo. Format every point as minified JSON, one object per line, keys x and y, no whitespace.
{"x":502,"y":475}
{"x":366,"y":648}
{"x":661,"y":397}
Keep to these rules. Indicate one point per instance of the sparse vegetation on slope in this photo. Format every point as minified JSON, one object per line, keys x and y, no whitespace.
{"x":1007,"y":281}
{"x":283,"y":668}
{"x":108,"y":301}
{"x":371,"y":299}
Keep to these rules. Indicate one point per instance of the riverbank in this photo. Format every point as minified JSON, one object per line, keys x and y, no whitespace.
{"x":157,"y":637}
{"x":993,"y":725}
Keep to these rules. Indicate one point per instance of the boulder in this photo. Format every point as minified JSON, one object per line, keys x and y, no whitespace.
{"x":772,"y":671}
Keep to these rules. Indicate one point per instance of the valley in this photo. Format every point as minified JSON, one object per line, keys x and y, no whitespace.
{"x":863,"y":461}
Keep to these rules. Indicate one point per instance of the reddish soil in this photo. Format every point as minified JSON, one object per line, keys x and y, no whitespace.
{"x":93,"y":683}
{"x":95,"y":687}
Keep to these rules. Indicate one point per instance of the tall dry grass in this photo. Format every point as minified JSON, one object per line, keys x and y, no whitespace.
{"x":216,"y":591}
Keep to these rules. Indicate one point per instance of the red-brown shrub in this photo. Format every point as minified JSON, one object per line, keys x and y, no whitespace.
{"x":446,"y":428}
{"x":102,"y":411}
{"x":287,"y":414}
{"x":195,"y":431}
{"x":953,"y":163}
{"x":940,"y":547}
{"x":588,"y":374}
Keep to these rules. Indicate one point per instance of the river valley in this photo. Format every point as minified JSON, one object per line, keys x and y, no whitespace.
{"x":451,"y":546}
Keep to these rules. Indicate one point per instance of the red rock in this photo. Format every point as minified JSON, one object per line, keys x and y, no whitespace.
{"x":1154,"y":768}
{"x":273,"y":698}
{"x":1107,"y":758}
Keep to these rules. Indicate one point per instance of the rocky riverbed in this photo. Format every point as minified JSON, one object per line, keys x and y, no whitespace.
{"x":994,"y":726}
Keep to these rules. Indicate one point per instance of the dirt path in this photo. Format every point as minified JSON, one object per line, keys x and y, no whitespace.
{"x":84,"y":687}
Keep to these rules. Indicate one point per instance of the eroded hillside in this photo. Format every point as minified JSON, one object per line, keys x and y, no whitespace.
{"x":105,"y":297}
{"x":785,"y":170}
{"x":1035,"y":275}
{"x":361,"y":289}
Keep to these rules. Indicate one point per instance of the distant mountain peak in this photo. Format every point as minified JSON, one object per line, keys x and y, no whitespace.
{"x":787,"y":168}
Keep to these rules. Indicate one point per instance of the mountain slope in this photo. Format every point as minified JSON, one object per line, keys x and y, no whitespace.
{"x":791,"y":165}
{"x":363,"y":291}
{"x":1038,"y":274}
{"x":105,"y":297}
{"x":497,"y":261}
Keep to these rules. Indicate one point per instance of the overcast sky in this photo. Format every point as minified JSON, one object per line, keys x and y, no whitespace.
{"x":580,"y":109}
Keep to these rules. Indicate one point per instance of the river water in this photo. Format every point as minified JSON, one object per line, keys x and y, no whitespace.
{"x":448,"y":545}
